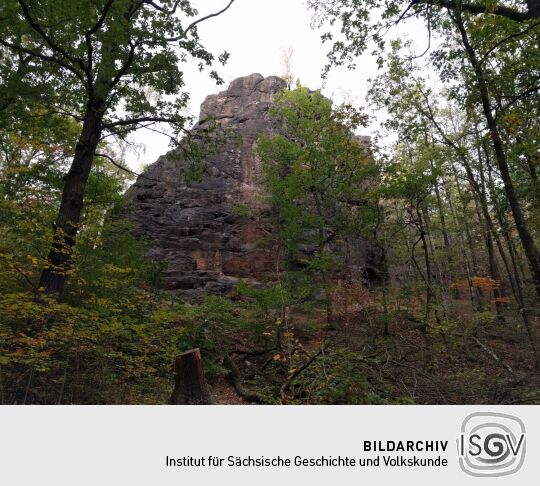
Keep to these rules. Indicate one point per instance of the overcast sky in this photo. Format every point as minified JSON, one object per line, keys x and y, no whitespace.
{"x":256,"y":33}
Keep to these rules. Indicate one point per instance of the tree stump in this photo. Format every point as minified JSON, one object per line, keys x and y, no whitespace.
{"x":189,"y":383}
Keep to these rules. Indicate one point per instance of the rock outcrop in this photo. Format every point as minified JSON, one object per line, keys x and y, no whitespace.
{"x":200,"y":230}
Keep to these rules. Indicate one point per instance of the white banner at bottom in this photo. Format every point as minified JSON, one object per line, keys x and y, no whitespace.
{"x":265,"y":445}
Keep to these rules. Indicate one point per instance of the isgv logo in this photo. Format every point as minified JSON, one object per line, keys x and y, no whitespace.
{"x":491,"y":444}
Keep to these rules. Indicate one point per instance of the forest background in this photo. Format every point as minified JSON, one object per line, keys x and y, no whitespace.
{"x":450,"y":194}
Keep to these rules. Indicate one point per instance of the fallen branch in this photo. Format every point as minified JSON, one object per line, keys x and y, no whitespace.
{"x":308,"y":363}
{"x":492,"y":354}
{"x":237,"y":381}
{"x":256,"y":352}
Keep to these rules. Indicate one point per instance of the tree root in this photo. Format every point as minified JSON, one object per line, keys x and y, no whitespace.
{"x":236,"y":379}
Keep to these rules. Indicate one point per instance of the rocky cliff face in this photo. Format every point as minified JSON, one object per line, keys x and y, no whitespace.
{"x":197,"y":229}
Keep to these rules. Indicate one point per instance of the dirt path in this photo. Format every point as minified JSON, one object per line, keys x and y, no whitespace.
{"x":224,"y":393}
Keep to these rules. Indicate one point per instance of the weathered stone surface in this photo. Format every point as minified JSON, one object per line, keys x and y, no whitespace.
{"x":196,"y":229}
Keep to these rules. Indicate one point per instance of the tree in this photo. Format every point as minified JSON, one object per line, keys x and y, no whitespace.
{"x":321,"y":182}
{"x":481,"y":84}
{"x":448,"y":18}
{"x":444,"y":142}
{"x":100,"y":58}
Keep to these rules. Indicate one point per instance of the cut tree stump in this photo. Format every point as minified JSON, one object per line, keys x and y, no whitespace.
{"x":189,"y":383}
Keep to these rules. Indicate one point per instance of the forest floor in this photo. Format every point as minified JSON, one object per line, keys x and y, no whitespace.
{"x":464,"y":359}
{"x":224,"y":393}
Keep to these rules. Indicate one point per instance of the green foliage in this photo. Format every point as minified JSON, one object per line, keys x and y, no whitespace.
{"x":435,"y":200}
{"x":113,"y":339}
{"x":104,"y":349}
{"x":337,"y":378}
{"x":121,"y":53}
{"x":318,"y":175}
{"x":113,"y":66}
{"x":203,"y":325}
{"x":363,"y":23}
{"x":71,"y":74}
{"x":242,"y":210}
{"x":292,"y":289}
{"x":99,"y":345}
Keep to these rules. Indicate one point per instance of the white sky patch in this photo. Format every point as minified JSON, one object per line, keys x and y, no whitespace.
{"x":257,"y":33}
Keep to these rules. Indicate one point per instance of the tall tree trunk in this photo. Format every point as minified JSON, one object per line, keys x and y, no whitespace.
{"x":442,"y":217}
{"x":502,"y":220}
{"x":531,"y":251}
{"x":428,"y":277}
{"x":53,"y":277}
{"x":468,"y":234}
{"x":492,"y":261}
{"x":429,"y":233}
{"x":531,"y":164}
{"x":480,"y":199}
{"x":470,"y":268}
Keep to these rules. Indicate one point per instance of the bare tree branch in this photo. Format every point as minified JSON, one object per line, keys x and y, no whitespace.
{"x":143,"y":119}
{"x":475,"y":8}
{"x":116,"y":164}
{"x":198,"y":21}
{"x":162,"y":9}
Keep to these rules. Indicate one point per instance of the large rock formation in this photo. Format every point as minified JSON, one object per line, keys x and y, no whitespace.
{"x":198,"y":229}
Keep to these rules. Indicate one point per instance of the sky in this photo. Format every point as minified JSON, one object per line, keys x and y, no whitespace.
{"x":256,"y":33}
